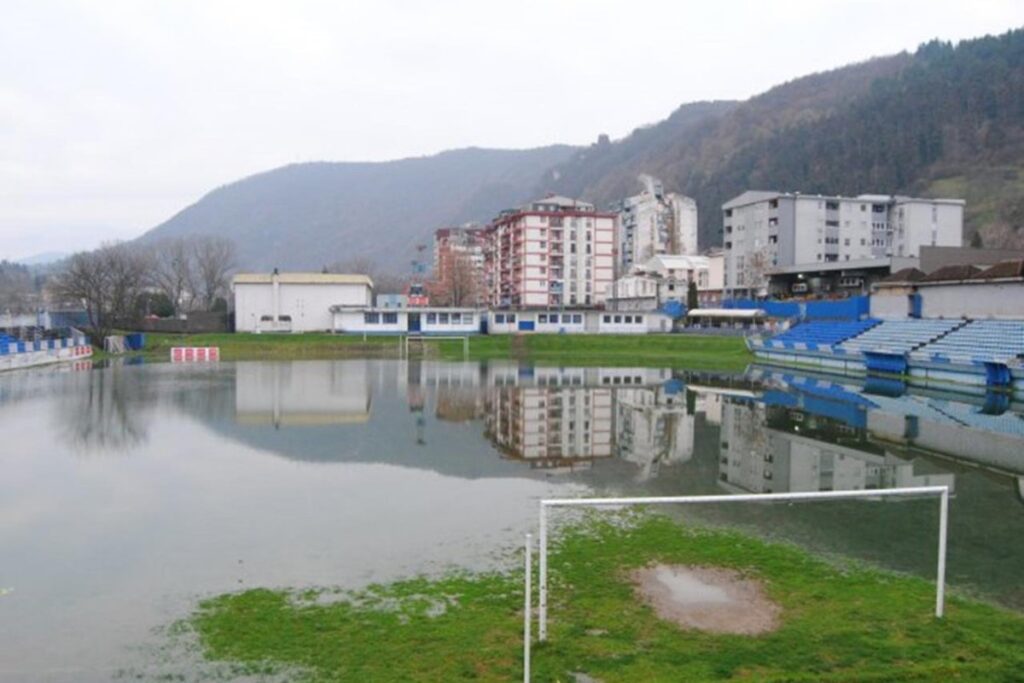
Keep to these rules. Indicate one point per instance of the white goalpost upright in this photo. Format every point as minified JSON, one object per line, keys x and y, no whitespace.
{"x":542,"y":580}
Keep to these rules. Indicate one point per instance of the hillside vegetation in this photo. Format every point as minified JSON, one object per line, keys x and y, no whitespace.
{"x":944,"y":120}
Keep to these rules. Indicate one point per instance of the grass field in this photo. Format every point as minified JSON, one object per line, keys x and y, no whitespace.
{"x":839,"y":622}
{"x":691,"y":351}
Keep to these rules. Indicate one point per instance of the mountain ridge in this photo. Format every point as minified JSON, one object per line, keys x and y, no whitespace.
{"x":944,"y":120}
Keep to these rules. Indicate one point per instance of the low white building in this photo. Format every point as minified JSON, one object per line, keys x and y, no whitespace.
{"x":295,"y":302}
{"x":416,"y":321}
{"x":577,"y":322}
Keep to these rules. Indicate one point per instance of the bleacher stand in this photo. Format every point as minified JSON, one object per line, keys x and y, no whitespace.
{"x":898,"y":336}
{"x":977,"y":341}
{"x":822,"y":335}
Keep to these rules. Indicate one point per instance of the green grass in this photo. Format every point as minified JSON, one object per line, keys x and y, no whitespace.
{"x":839,"y":623}
{"x":676,"y":350}
{"x":246,"y":346}
{"x":691,"y":351}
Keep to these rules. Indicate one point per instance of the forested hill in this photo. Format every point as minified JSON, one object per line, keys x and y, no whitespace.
{"x":306,"y":216}
{"x":943,"y":121}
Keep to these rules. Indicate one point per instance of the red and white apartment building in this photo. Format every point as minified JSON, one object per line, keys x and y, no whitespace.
{"x":554,"y":252}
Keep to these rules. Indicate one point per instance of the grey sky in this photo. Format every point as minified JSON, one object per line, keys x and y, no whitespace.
{"x":115,"y":115}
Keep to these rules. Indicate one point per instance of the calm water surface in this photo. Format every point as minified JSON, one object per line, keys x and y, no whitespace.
{"x":130,"y":492}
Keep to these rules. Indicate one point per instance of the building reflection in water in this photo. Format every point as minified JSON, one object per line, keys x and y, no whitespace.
{"x":774,"y":433}
{"x":302,"y":393}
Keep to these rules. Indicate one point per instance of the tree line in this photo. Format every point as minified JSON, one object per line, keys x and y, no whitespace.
{"x":120,"y":283}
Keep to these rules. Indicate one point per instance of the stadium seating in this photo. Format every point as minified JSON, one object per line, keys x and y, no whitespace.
{"x":977,"y":341}
{"x":898,"y":336}
{"x":820,"y":334}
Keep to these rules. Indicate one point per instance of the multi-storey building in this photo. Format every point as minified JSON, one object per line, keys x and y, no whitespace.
{"x":552,"y":428}
{"x":766,"y":232}
{"x":459,"y":266}
{"x":551,"y":253}
{"x":653,"y":223}
{"x":653,"y":428}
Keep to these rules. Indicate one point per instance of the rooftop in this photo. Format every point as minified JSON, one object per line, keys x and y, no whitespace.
{"x":951,"y":273}
{"x":757,"y":196}
{"x":905,"y":275}
{"x":1002,"y":271}
{"x":302,"y":279}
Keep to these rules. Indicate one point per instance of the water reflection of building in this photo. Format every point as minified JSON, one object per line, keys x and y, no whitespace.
{"x":551,"y":428}
{"x":567,"y":418}
{"x":777,"y":448}
{"x":653,"y":426}
{"x":302,"y":393}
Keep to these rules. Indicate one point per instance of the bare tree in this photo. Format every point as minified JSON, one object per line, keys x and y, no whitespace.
{"x":17,"y":289}
{"x":174,"y":273}
{"x":755,"y":271}
{"x":458,"y":285}
{"x":107,"y":282}
{"x":214,"y":261}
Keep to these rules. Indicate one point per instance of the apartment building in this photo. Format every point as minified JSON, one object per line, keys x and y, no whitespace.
{"x":766,"y":232}
{"x":554,"y":428}
{"x":551,"y":253}
{"x":653,"y":223}
{"x":459,"y":266}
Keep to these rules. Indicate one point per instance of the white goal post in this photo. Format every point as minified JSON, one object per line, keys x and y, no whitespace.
{"x":542,"y":612}
{"x":421,"y":338}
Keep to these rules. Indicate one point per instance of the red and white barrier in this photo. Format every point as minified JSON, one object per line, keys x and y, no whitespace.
{"x":195,"y":354}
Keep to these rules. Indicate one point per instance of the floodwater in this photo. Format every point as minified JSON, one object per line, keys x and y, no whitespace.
{"x":130,"y":492}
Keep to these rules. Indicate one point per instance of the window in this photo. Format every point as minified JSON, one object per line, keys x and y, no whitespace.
{"x":606,"y":318}
{"x":638,"y":319}
{"x":577,"y":318}
{"x":371,"y":318}
{"x":390,"y":318}
{"x":542,"y":318}
{"x":846,"y":242}
{"x":442,"y":318}
{"x":618,"y":318}
{"x":284,"y":318}
{"x":456,"y":318}
{"x":499,"y":318}
{"x":627,"y":319}
{"x":511,"y":318}
{"x":431,"y":318}
{"x":553,"y":318}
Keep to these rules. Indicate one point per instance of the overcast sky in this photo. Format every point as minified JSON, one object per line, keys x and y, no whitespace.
{"x":115,"y":115}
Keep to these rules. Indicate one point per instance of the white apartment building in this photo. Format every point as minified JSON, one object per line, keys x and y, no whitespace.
{"x":653,"y":223}
{"x":766,"y":231}
{"x":551,"y":253}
